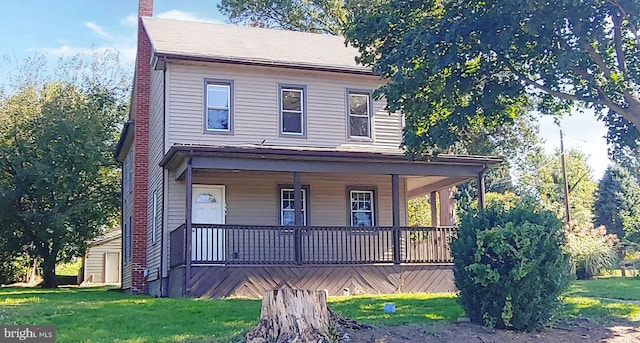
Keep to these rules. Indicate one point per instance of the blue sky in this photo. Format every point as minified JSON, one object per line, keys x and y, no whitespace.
{"x":66,"y":27}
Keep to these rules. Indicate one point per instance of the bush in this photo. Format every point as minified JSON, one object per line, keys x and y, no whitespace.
{"x":509,"y":266}
{"x":591,"y":250}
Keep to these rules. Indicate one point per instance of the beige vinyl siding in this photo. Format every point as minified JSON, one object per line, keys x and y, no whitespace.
{"x":252,"y":197}
{"x":176,"y":203}
{"x":127,"y":211}
{"x":95,"y":258}
{"x":256,"y":111}
{"x":155,"y":172}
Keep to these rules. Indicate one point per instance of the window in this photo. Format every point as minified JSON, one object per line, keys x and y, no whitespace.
{"x":287,"y":207}
{"x":219,"y":111}
{"x":154,"y":220}
{"x":359,"y":114}
{"x":362,"y":208}
{"x":127,"y":179}
{"x":126,"y":240}
{"x":292,"y":110}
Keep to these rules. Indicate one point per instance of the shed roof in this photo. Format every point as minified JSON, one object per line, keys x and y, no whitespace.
{"x":242,"y":44}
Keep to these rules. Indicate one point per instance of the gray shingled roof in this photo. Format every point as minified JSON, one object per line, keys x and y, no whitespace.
{"x":204,"y":40}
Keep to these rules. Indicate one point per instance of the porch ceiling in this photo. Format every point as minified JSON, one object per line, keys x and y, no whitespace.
{"x":440,"y":172}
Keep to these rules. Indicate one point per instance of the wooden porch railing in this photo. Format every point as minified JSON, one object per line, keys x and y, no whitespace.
{"x":287,"y":245}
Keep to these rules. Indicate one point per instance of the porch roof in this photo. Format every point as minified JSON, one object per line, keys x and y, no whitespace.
{"x":425,"y":176}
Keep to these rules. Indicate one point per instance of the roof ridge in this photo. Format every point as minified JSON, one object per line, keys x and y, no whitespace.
{"x":248,"y":27}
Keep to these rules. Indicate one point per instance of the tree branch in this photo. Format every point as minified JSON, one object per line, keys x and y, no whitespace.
{"x":530,"y":82}
{"x":602,"y":96}
{"x":625,"y":15}
{"x":597,"y":59}
{"x":617,"y":39}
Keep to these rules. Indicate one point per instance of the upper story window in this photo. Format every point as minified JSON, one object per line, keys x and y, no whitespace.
{"x":359,"y":112}
{"x":219,"y":110}
{"x":127,"y":170}
{"x":292,"y":110}
{"x":362,"y":208}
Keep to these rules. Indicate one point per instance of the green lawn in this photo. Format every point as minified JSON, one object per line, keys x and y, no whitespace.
{"x":596,"y":299}
{"x":97,"y":315}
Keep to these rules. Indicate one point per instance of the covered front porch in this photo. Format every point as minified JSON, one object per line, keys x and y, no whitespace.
{"x":314,"y":219}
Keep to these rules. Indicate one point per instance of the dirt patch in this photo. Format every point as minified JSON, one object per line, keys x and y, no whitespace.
{"x":581,"y":330}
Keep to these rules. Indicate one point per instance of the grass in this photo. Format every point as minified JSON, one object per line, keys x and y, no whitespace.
{"x":410,"y":308}
{"x":69,"y":268}
{"x":615,"y":288}
{"x":97,"y":315}
{"x":603,"y":300}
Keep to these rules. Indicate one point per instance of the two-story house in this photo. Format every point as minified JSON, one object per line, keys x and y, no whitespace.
{"x":258,"y":158}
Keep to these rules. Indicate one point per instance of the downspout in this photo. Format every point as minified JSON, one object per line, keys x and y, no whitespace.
{"x":163,"y":290}
{"x":121,"y":226}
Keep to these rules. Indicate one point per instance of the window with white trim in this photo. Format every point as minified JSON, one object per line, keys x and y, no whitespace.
{"x":292,"y":110}
{"x":359,"y":111}
{"x":362,"y":208}
{"x":287,"y":206}
{"x":219,"y":113}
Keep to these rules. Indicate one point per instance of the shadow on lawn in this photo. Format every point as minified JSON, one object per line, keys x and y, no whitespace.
{"x":603,"y":310}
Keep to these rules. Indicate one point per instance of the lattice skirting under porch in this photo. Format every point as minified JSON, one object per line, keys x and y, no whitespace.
{"x":253,"y":281}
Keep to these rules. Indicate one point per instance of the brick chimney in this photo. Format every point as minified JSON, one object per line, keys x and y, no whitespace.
{"x":141,"y":152}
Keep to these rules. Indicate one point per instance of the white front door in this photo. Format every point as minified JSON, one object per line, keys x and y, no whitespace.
{"x":208,"y":207}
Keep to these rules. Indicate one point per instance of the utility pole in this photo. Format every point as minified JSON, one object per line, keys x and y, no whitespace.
{"x":564,"y":180}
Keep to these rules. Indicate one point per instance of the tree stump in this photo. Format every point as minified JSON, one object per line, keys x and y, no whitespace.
{"x":292,"y":316}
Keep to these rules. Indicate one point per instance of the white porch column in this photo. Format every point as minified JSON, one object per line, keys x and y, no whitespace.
{"x":446,"y":207}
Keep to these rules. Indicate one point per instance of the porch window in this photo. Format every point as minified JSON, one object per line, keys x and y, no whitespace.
{"x":362,"y":208}
{"x":359,"y":113}
{"x":287,"y":206}
{"x":292,"y":110}
{"x":219,"y":111}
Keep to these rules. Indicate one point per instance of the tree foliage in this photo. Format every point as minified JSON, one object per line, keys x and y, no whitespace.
{"x":617,"y":204}
{"x":59,"y":184}
{"x":319,"y":16}
{"x":513,"y":143}
{"x":540,"y":177}
{"x":459,"y":68}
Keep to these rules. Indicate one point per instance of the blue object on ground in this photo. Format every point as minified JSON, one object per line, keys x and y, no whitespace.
{"x":389,"y":308}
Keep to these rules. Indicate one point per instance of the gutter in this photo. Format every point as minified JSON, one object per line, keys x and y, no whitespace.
{"x":263,"y":63}
{"x":126,"y":131}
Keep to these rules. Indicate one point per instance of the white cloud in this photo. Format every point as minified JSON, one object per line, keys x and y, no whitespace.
{"x":127,"y":52}
{"x":182,"y":15}
{"x":97,"y":29}
{"x":65,"y":51}
{"x":129,"y":21}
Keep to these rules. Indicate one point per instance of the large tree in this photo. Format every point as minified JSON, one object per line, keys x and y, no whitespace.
{"x":59,"y":184}
{"x":458,"y":67}
{"x":320,"y":16}
{"x":540,"y":177}
{"x":617,"y":205}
